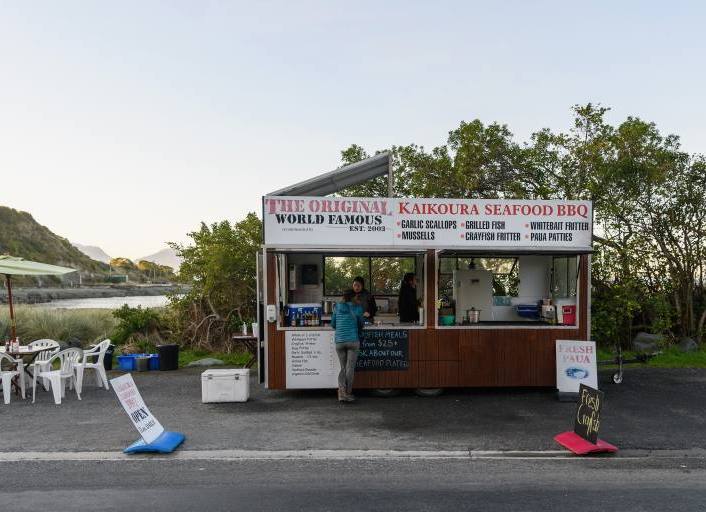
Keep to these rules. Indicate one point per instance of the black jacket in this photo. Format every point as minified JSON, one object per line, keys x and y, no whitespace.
{"x":407,"y":305}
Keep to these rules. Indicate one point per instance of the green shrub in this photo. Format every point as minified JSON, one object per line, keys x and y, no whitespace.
{"x":136,"y":324}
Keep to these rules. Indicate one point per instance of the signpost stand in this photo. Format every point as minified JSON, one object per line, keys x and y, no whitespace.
{"x":153,"y":436}
{"x":583,"y":440}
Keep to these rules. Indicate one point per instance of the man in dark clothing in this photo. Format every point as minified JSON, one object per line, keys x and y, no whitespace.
{"x":364,"y":299}
{"x":407,"y":304}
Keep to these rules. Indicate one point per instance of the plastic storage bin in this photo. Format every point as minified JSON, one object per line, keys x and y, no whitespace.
{"x":528,"y":311}
{"x":154,"y":362}
{"x":127,"y":362}
{"x":231,"y":385}
{"x":568,"y":314}
{"x":142,"y":363}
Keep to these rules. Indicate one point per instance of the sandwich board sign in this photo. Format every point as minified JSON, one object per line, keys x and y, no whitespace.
{"x":583,"y":440}
{"x":575,"y":365}
{"x":131,"y":400}
{"x":588,"y":413}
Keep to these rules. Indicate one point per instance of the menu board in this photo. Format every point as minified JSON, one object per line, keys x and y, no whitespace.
{"x":424,"y":222}
{"x":311,"y":361}
{"x":383,"y":349}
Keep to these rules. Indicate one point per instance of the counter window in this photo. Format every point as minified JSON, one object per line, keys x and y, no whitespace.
{"x":310,"y":284}
{"x":382,"y":274}
{"x":538,"y":289}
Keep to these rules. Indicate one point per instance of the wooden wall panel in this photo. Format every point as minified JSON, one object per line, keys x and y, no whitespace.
{"x":428,"y":345}
{"x":448,"y":342}
{"x":430,"y":284}
{"x":448,"y":374}
{"x":584,"y":287}
{"x":415,"y":337}
{"x":428,"y":374}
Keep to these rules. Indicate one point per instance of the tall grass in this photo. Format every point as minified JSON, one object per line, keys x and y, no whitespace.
{"x":85,"y":325}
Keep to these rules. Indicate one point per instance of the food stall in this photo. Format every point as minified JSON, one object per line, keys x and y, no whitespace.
{"x":498,"y":282}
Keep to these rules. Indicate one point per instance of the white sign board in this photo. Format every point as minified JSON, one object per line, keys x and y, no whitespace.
{"x":131,"y":400}
{"x":312,"y":362}
{"x":434,"y":223}
{"x":575,"y":365}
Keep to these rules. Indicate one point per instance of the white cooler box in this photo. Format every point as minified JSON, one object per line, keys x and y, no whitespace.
{"x":232,"y":385}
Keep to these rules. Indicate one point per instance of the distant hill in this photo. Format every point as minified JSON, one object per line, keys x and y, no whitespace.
{"x":93,"y":252}
{"x":166,"y":257}
{"x":21,"y":235}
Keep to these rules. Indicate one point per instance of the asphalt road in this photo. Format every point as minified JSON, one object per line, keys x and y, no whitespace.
{"x":643,"y":484}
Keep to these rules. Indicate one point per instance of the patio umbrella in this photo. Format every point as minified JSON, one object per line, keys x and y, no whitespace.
{"x":13,"y":266}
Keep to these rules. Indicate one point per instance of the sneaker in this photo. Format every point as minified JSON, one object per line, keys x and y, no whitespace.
{"x":341,"y":395}
{"x":348,"y":397}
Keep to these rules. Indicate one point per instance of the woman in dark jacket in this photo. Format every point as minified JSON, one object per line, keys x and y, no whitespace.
{"x":407,"y":303}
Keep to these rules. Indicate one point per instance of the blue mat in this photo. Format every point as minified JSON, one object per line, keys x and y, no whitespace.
{"x":165,"y":443}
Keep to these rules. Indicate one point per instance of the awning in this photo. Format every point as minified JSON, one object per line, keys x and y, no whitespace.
{"x":339,"y":179}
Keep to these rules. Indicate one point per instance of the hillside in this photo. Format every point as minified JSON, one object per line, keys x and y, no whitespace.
{"x":93,"y":252}
{"x":21,"y":235}
{"x":166,"y":257}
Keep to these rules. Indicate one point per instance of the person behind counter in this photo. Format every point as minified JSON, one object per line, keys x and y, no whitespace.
{"x":347,"y":320}
{"x":364,"y":299}
{"x":407,"y":302}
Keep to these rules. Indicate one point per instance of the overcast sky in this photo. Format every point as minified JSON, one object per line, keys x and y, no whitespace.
{"x":124,"y":124}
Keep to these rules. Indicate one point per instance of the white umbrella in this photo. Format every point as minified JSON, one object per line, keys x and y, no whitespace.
{"x":13,"y":266}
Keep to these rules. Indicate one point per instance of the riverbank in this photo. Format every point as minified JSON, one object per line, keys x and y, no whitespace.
{"x":39,"y":295}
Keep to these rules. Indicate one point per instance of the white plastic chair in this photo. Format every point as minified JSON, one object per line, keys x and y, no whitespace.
{"x":93,"y":360}
{"x":6,"y":376}
{"x":40,"y":362}
{"x":57,"y":378}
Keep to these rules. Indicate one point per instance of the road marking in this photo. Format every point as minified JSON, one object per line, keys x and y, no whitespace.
{"x":239,"y":455}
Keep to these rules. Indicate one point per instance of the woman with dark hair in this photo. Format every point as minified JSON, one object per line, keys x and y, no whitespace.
{"x":347,"y":320}
{"x":364,"y":299}
{"x":407,"y":300}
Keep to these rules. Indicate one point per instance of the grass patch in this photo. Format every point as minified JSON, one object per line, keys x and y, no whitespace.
{"x":671,"y":357}
{"x":236,"y":359}
{"x":86,"y":325}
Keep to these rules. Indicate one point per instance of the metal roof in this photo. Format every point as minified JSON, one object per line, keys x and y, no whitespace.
{"x":338,"y":179}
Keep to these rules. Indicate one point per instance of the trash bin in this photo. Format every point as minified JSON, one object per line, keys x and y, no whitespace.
{"x":108,"y":359}
{"x":142,"y":363}
{"x":168,"y":357}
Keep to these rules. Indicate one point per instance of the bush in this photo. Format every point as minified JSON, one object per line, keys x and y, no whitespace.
{"x":137,"y":325}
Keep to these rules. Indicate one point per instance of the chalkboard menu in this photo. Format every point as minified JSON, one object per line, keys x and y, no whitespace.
{"x":588,"y":413}
{"x":382,"y":349}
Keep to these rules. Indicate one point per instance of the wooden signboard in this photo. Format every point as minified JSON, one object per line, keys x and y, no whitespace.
{"x":383,"y":349}
{"x":588,"y":413}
